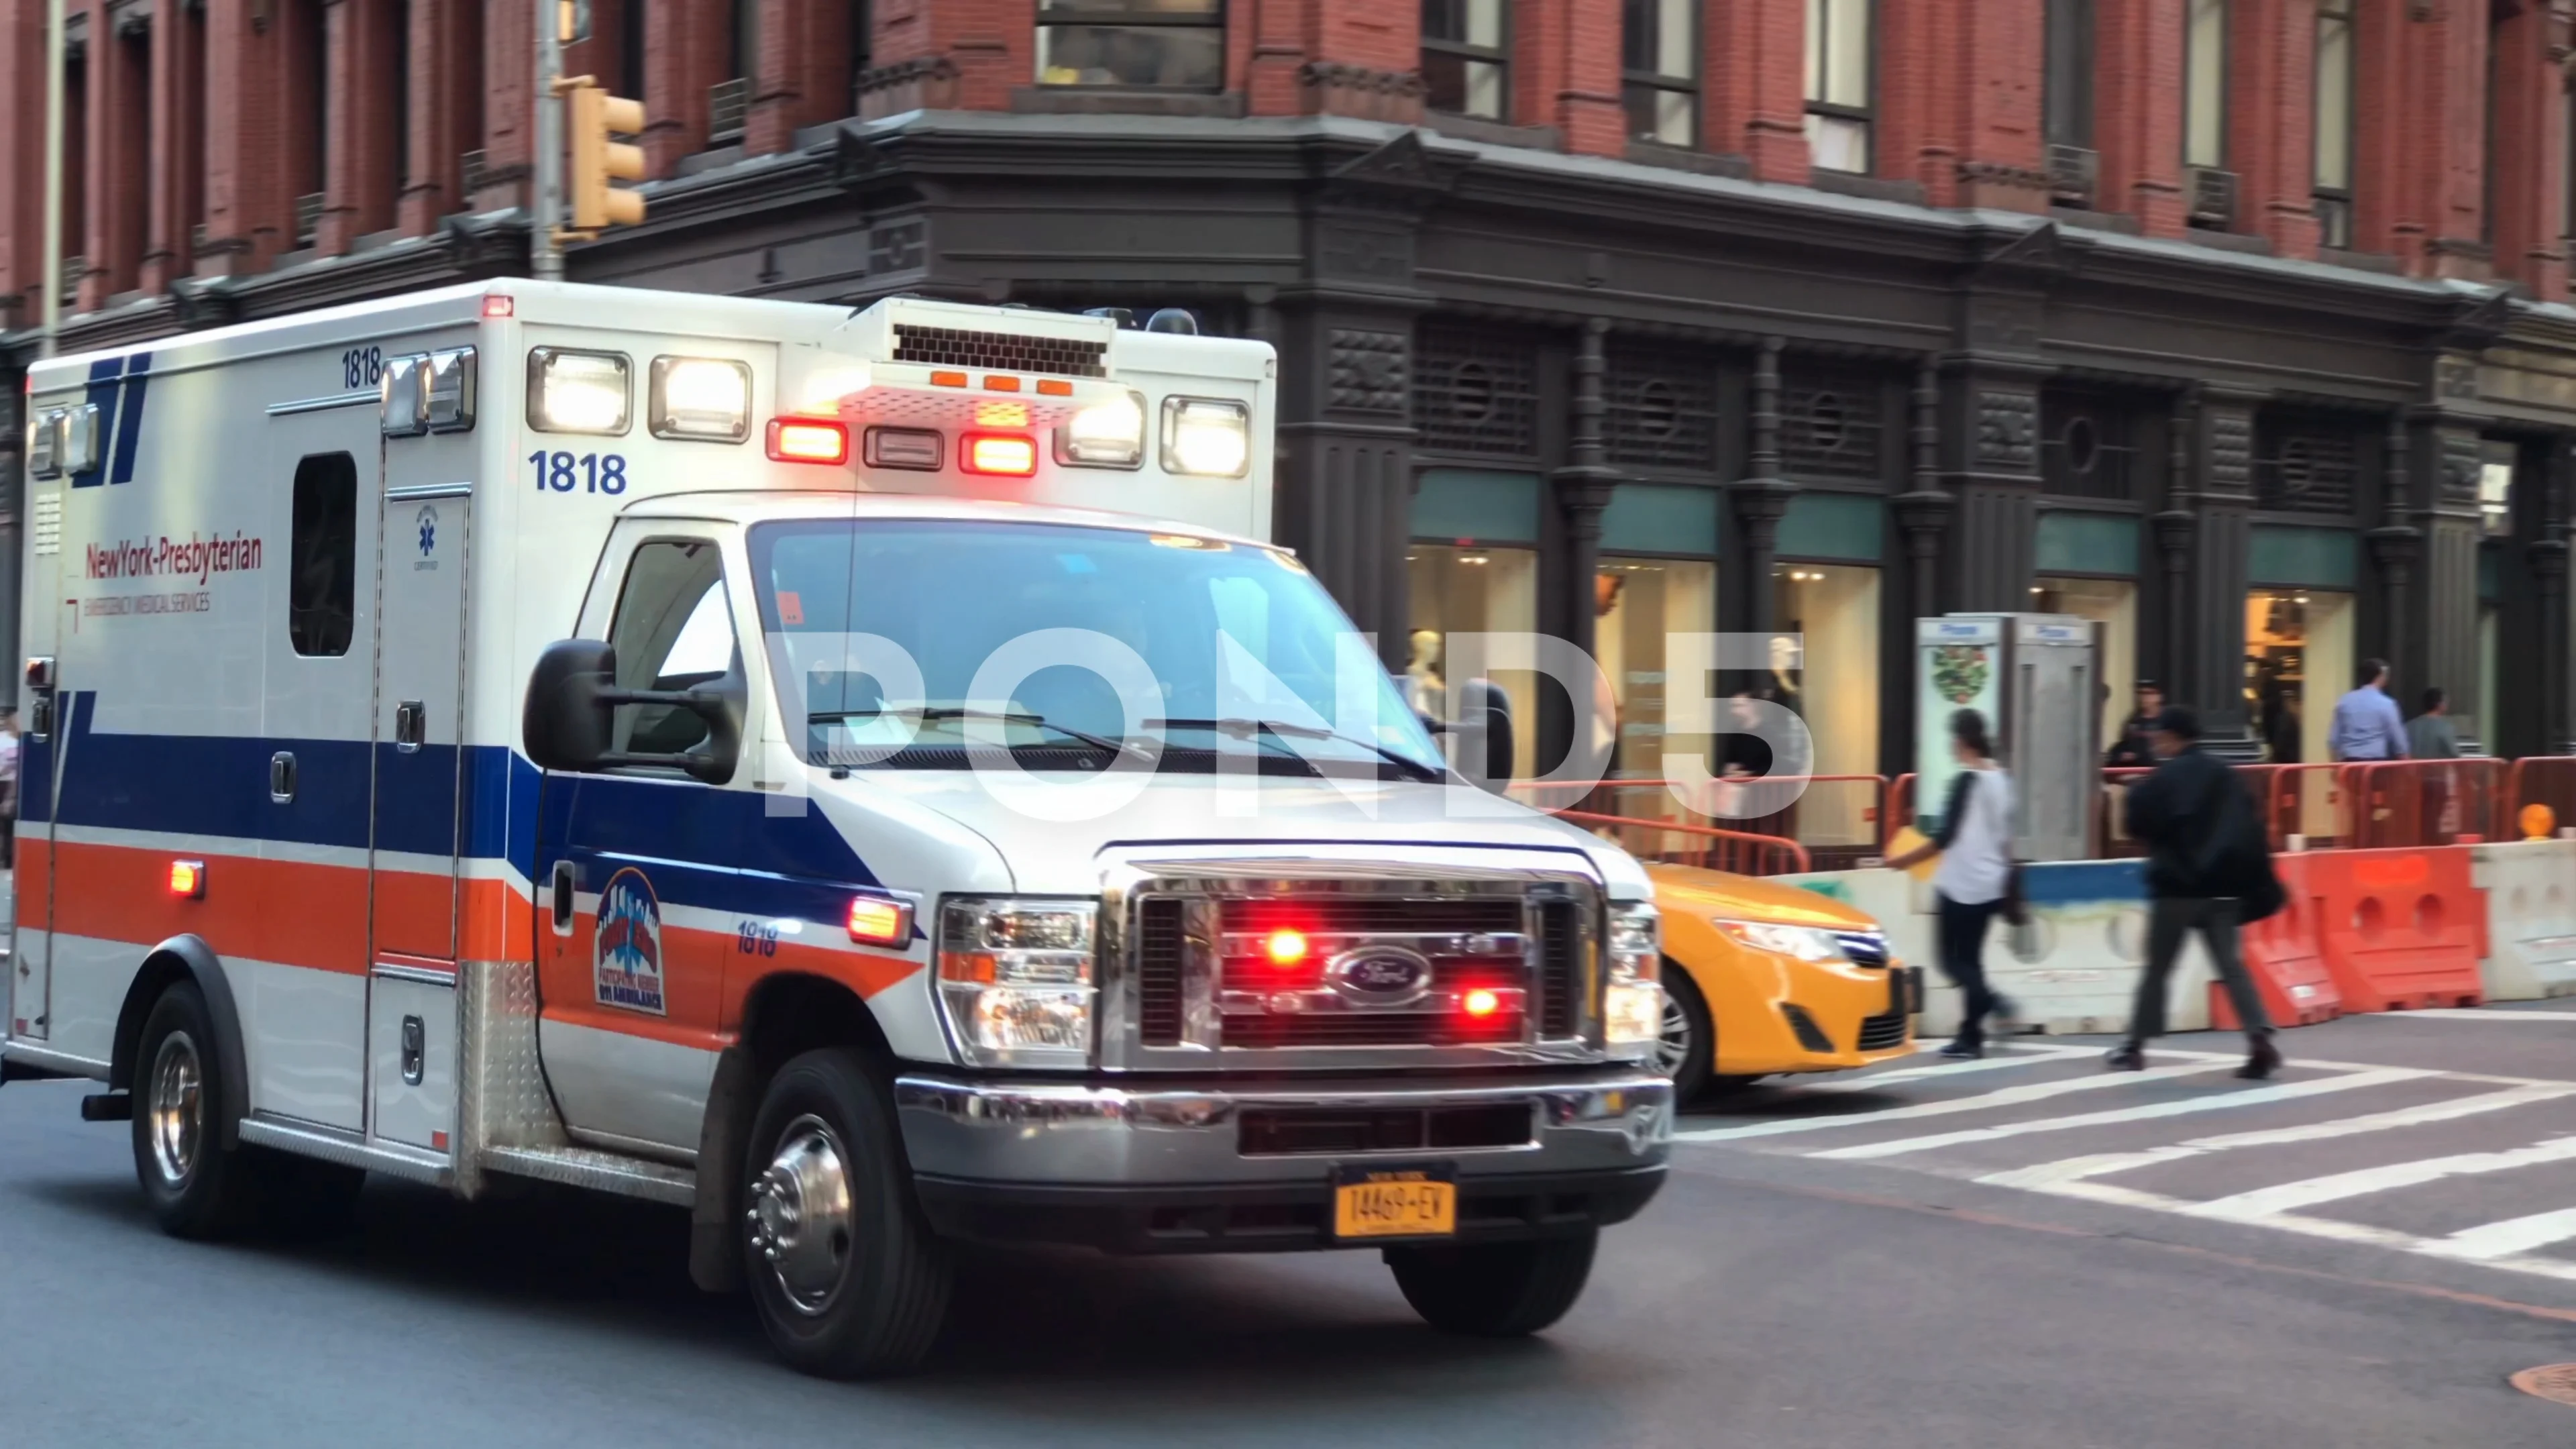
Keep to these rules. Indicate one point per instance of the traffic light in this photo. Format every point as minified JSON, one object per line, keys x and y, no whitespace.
{"x":591,"y":116}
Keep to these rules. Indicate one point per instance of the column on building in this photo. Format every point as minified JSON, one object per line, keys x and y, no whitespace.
{"x":2137,"y":78}
{"x":509,"y":106}
{"x":687,"y":50}
{"x":2528,"y":142}
{"x":2220,"y":467}
{"x":253,"y":155}
{"x":1756,"y":102}
{"x":2421,"y":136}
{"x":971,"y":55}
{"x":178,"y":165}
{"x":1310,"y":58}
{"x":1959,"y":102}
{"x":803,"y":76}
{"x":1990,"y":431}
{"x":1565,"y":62}
{"x":119,"y":65}
{"x":2271,"y":121}
{"x":370,"y":70}
{"x":444,"y":124}
{"x":2440,"y":627}
{"x":22,"y":166}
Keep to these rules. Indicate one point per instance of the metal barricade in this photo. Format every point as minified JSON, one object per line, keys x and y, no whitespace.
{"x":1839,"y":820}
{"x":2537,"y":780}
{"x":2421,"y":802}
{"x":1705,"y":846}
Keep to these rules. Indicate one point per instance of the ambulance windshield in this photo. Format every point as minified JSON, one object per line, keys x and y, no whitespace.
{"x":1075,"y":635}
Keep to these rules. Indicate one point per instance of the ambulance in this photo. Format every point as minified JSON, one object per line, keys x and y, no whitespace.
{"x":861,"y":777}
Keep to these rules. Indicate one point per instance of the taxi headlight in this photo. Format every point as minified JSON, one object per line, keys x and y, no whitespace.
{"x":1104,"y":435}
{"x":1632,"y":1004}
{"x":1206,"y":438}
{"x":577,"y":392}
{"x":704,"y":398}
{"x":1016,"y":983}
{"x":1804,"y":942}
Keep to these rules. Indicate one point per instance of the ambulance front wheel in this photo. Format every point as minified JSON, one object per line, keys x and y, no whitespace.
{"x":195,"y":1187}
{"x":849,"y":1281}
{"x":1495,"y":1290}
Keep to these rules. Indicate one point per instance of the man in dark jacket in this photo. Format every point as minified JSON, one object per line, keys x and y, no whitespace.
{"x":2132,"y":751}
{"x":2204,"y":845}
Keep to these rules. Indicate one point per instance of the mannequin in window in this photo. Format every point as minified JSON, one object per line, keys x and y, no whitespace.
{"x":1423,"y":687}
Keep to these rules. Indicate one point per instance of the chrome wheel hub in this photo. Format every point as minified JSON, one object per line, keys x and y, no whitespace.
{"x":801,"y":1217}
{"x":176,"y":1107}
{"x":1673,"y":1047}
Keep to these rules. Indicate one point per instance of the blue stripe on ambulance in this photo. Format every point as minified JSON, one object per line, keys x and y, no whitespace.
{"x":129,"y":418}
{"x":101,"y":396}
{"x":702,"y":846}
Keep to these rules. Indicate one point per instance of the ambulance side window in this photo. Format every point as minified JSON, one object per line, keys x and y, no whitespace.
{"x":321,"y":592}
{"x":673,"y":630}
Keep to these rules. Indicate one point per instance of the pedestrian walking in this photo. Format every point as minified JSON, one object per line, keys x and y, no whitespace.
{"x":2209,"y":869}
{"x":2430,"y":735}
{"x":1975,"y":880}
{"x":2367,"y":723}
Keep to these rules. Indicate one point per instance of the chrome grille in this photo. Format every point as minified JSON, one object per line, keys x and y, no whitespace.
{"x":1200,"y":974}
{"x":1889,"y":1027}
{"x":1008,"y":352}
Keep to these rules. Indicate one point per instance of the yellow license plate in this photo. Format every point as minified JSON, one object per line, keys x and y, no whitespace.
{"x":1398,"y":1204}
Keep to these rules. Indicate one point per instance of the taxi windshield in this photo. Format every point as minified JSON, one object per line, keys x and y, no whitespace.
{"x":1240,"y":642}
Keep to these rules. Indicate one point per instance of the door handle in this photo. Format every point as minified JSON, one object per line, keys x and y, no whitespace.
{"x":411,"y":725}
{"x":562,"y":897}
{"x":415,"y":1050}
{"x":281,"y":777}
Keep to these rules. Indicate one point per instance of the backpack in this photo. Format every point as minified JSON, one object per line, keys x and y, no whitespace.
{"x":2237,"y":859}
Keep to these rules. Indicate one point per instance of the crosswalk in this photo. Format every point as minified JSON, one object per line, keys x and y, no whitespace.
{"x":2464,"y":1166}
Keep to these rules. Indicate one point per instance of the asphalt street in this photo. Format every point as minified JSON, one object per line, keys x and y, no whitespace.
{"x":2021,"y":1254}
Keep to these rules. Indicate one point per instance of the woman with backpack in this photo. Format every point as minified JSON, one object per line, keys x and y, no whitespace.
{"x":1974,"y":881}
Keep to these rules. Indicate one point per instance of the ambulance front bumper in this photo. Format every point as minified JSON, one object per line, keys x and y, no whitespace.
{"x":1208,"y":1166}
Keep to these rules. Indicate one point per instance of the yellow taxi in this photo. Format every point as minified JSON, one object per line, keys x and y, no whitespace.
{"x":1762,"y":979}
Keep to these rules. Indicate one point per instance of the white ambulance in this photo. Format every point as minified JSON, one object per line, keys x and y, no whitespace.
{"x":647,"y":742}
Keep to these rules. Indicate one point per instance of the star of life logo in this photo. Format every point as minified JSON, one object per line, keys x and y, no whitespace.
{"x":626,"y":949}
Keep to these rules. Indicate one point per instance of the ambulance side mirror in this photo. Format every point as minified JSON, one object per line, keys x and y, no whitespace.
{"x":573,"y":696}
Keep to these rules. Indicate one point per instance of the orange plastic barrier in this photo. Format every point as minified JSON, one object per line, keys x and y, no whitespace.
{"x":1707,"y":847}
{"x":2400,"y":929}
{"x":2287,"y":961}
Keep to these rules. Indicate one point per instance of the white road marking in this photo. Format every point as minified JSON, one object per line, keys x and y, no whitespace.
{"x":2252,"y":1097}
{"x":2006,"y":1097}
{"x":2266,"y":1203}
{"x":2035,"y":1056}
{"x":2512,"y":1236}
{"x":2471,"y":1013}
{"x":2128,"y":1197}
{"x":2076,"y":1169}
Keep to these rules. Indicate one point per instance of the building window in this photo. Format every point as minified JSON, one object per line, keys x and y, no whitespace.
{"x":1148,"y":44}
{"x":1659,"y":64}
{"x":1838,"y":83}
{"x":2204,"y":99}
{"x":2334,"y":122}
{"x":2069,"y":79}
{"x":1825,"y":667}
{"x":1464,"y":61}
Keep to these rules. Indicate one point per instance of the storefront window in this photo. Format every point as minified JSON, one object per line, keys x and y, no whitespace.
{"x":2298,"y":662}
{"x":1641,"y":601}
{"x":1469,"y":589}
{"x":1829,"y":675}
{"x":2113,"y":604}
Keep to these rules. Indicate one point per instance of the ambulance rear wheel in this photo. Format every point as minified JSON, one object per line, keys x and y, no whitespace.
{"x":1495,"y":1290}
{"x":195,"y":1187}
{"x":849,"y":1281}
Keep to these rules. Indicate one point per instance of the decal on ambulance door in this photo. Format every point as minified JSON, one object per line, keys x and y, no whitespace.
{"x":626,"y":949}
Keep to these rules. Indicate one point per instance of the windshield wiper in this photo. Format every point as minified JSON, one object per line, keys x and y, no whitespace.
{"x":956,"y":712}
{"x":1246,"y":727}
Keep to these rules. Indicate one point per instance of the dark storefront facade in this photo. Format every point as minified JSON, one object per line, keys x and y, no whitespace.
{"x":1613,"y":400}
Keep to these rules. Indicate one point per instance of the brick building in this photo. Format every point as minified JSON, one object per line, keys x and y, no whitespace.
{"x":2239,"y":325}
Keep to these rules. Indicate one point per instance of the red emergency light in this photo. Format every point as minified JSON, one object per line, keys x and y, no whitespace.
{"x":1284,"y":947}
{"x":1007,"y":455}
{"x":808,"y":440}
{"x":188,"y":879}
{"x":1481,"y":1002}
{"x":878,"y":921}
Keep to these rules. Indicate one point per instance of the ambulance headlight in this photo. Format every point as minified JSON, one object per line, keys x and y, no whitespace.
{"x":1016,"y":983}
{"x":79,"y":448}
{"x":577,"y":392}
{"x":705,"y":398}
{"x":1206,"y":438}
{"x":1104,"y":435}
{"x":44,"y":445}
